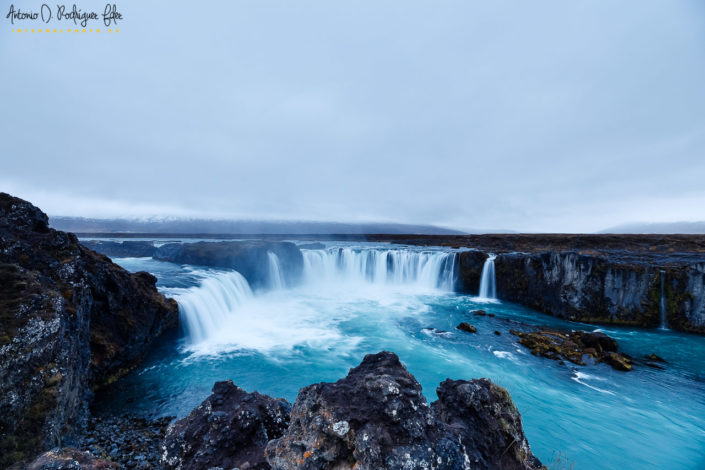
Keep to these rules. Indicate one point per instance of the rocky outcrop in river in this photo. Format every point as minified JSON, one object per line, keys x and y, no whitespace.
{"x":375,"y":418}
{"x":575,"y":346}
{"x":70,"y":321}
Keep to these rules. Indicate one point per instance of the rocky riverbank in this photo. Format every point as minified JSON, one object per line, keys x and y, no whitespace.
{"x":70,"y":321}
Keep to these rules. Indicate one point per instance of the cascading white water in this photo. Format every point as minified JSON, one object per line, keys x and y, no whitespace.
{"x":428,"y":270}
{"x":276,"y":277}
{"x":488,"y":289}
{"x":223,"y":313}
{"x":205,"y":308}
{"x":664,"y":319}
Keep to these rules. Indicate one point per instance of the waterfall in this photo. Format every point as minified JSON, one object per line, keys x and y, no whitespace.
{"x":223,"y":309}
{"x":664,"y":320}
{"x":204,"y":309}
{"x":276,"y":277}
{"x":488,"y":289}
{"x":427,"y":270}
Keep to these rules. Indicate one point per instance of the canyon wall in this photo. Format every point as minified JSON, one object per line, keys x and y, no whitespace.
{"x":621,"y":288}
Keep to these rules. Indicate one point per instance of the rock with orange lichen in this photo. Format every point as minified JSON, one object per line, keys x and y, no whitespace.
{"x":575,"y":346}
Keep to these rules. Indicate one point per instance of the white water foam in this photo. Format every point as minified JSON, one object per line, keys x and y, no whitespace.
{"x":429,"y":270}
{"x":488,"y":288}
{"x":222,"y":314}
{"x":276,"y":276}
{"x":580,"y":377}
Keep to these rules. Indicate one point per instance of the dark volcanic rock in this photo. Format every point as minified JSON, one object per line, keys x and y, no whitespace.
{"x":66,"y":459}
{"x":653,"y":357}
{"x":249,"y":258}
{"x":573,"y":346}
{"x":467,"y":327}
{"x":377,"y":418}
{"x":125,"y":439}
{"x":70,"y":320}
{"x":470,"y":271}
{"x":230,"y":429}
{"x":137,"y":249}
{"x":596,"y":340}
{"x":488,"y":424}
{"x":617,"y":361}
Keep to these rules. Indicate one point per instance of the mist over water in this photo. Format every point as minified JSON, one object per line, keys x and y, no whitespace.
{"x":356,"y":299}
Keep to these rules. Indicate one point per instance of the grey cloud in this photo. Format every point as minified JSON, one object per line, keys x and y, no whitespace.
{"x":537,"y":116}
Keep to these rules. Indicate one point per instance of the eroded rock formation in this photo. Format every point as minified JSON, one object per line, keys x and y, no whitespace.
{"x":230,"y":429}
{"x":376,"y":417}
{"x":575,"y":346}
{"x":70,"y":320}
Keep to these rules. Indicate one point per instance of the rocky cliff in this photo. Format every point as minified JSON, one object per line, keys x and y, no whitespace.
{"x":375,"y":418}
{"x":70,"y":320}
{"x":619,"y":287}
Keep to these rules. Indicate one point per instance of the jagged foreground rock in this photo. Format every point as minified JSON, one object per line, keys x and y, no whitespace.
{"x":70,"y":320}
{"x":375,"y":418}
{"x":228,"y":430}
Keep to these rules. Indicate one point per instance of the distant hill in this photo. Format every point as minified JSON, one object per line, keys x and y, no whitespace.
{"x":662,"y":227}
{"x":237,"y":227}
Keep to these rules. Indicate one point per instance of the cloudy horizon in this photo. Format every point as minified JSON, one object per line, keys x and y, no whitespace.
{"x":541,"y":117}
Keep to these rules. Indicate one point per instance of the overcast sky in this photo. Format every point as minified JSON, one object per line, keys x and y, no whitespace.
{"x":534,"y":116}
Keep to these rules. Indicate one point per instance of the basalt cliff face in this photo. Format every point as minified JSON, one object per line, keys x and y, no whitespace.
{"x":619,"y":287}
{"x":70,"y":321}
